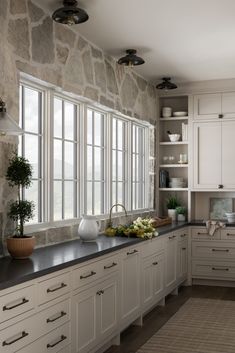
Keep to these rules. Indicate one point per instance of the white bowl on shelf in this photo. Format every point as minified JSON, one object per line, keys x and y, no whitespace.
{"x":180,"y":114}
{"x":174,"y":137}
{"x":230,"y":217}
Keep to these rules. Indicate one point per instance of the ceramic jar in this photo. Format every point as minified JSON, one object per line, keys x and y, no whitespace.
{"x":89,"y":228}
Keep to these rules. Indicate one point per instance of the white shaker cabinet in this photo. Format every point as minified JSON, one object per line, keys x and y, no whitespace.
{"x":228,"y":105}
{"x":182,"y":257}
{"x":207,"y":155}
{"x":207,"y":106}
{"x":171,"y":261}
{"x":228,"y":155}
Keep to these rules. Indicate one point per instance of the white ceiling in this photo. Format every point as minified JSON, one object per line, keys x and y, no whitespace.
{"x":189,"y":40}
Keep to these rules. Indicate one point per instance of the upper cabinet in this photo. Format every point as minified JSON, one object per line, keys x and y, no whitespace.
{"x":214,"y":106}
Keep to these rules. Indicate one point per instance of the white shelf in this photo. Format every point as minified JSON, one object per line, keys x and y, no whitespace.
{"x":173,"y":165}
{"x":174,"y":118}
{"x":169,"y":143}
{"x":173,"y":189}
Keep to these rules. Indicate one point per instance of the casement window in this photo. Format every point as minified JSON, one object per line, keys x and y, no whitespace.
{"x":84,"y":159}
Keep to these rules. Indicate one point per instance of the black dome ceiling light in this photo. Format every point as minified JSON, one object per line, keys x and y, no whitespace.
{"x":70,"y":14}
{"x":166,"y":84}
{"x":131,"y":59}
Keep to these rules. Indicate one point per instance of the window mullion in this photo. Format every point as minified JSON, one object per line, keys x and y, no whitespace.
{"x":49,"y":155}
{"x":83,"y":164}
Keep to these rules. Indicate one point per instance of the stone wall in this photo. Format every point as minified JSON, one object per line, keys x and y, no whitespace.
{"x":32,"y":43}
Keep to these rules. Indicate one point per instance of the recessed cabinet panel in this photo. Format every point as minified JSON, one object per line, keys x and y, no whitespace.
{"x":171,"y":256}
{"x":228,"y":154}
{"x":228,"y":105}
{"x":207,"y":155}
{"x":158,"y":276}
{"x":207,"y":106}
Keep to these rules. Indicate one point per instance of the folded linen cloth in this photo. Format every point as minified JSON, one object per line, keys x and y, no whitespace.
{"x":212,"y":226}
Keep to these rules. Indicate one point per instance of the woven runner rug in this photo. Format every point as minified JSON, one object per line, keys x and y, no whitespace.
{"x":200,"y":326}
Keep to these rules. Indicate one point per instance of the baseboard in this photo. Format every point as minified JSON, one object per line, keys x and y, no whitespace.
{"x":212,"y":282}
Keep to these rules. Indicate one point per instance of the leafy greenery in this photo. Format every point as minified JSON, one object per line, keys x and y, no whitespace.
{"x":19,"y":174}
{"x":181,"y":210}
{"x":172,"y":203}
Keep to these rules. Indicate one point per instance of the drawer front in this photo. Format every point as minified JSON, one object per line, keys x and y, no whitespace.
{"x":153,"y":246}
{"x":17,"y":303}
{"x":53,"y":288}
{"x":228,"y":234}
{"x":201,"y":234}
{"x":55,"y":341}
{"x":213,"y":269}
{"x":110,"y":265}
{"x":87,"y":274}
{"x":182,"y":234}
{"x":215,"y":250}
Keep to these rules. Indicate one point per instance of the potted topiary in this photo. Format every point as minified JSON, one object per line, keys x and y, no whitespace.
{"x":181,"y":213}
{"x":19,"y":174}
{"x":171,"y":204}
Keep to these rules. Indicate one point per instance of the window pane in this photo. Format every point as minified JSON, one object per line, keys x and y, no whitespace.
{"x":31,"y":107}
{"x":120,"y":135}
{"x":114,"y":177}
{"x":114,"y":200}
{"x":31,"y":152}
{"x":120,"y":166}
{"x":98,"y":165}
{"x":57,"y":159}
{"x":69,"y":109}
{"x":97,"y":195}
{"x":120,"y":192}
{"x":57,"y":200}
{"x":31,"y":194}
{"x":68,"y":160}
{"x":89,"y":197}
{"x":89,"y":126}
{"x":98,"y":129}
{"x":58,"y":117}
{"x":68,"y":199}
{"x":89,"y":163}
{"x":114,"y":133}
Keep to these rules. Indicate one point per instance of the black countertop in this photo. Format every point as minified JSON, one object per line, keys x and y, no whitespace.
{"x":57,"y":257}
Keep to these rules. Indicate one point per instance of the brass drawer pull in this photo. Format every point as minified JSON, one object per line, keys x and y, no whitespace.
{"x":62,"y":338}
{"x":220,"y":250}
{"x":220,"y":269}
{"x":171,"y":237}
{"x":183,"y":235}
{"x":100,"y":292}
{"x":229,"y":234}
{"x":132,"y":252}
{"x":23,"y":335}
{"x":198,"y":233}
{"x":113,"y":265}
{"x":24,"y":301}
{"x":63,"y":285}
{"x":63,"y":313}
{"x":155,"y":263}
{"x":87,"y":276}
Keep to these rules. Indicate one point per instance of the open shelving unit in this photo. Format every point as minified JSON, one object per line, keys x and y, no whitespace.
{"x":167,"y":148}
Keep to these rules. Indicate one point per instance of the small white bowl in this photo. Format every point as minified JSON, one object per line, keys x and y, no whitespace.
{"x":174,"y":137}
{"x":179,"y":114}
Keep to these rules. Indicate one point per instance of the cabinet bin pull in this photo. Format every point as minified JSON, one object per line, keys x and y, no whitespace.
{"x":63,"y":313}
{"x":24,"y":301}
{"x":199,"y":233}
{"x":63,"y":285}
{"x":229,"y":234}
{"x":155,"y":263}
{"x":132,"y":252}
{"x":23,"y":335}
{"x":221,"y":250}
{"x":113,"y":264}
{"x":62,"y":338}
{"x":86,"y":276}
{"x":220,"y":269}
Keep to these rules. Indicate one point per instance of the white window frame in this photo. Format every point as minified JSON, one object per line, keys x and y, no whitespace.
{"x":48,"y":97}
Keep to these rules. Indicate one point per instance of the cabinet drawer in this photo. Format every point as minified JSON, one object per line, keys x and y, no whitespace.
{"x":17,"y":303}
{"x":182,"y":234}
{"x":215,"y":250}
{"x":87,"y":274}
{"x":110,"y":265}
{"x":201,"y":234}
{"x":153,"y":246}
{"x":213,"y":269}
{"x":53,"y":288}
{"x":55,"y":341}
{"x":228,"y":234}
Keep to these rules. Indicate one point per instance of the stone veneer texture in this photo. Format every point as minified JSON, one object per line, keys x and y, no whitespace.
{"x":33,"y":44}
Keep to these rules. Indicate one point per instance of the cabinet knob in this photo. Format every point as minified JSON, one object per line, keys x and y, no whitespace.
{"x":220,"y":186}
{"x":220,"y":116}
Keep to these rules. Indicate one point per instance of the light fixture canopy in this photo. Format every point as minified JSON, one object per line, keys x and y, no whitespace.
{"x":70,"y":14}
{"x":7,"y":125}
{"x":131,"y":59}
{"x":166,"y":84}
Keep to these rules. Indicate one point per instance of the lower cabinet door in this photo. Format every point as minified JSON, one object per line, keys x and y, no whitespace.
{"x":171,"y":260}
{"x":182,"y":260}
{"x":147,"y":282}
{"x":158,"y":277}
{"x":84,"y":329}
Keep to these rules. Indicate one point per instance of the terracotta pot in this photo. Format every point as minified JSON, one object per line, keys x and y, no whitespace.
{"x":20,"y":248}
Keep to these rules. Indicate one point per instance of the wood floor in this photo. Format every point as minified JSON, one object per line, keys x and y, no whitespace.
{"x":134,"y":337}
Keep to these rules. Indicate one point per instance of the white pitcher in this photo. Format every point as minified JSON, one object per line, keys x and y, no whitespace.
{"x":89,"y":227}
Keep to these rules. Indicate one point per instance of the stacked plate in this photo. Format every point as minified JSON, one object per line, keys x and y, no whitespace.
{"x":180,"y":114}
{"x":177,"y":183}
